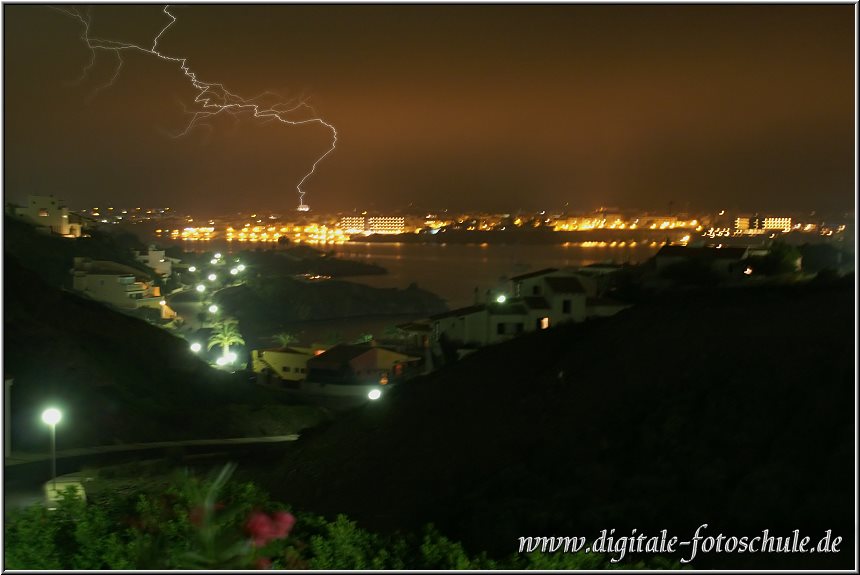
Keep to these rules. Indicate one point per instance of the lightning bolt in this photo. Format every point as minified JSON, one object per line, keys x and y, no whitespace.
{"x":212,"y":97}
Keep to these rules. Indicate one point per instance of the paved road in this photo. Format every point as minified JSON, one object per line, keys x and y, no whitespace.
{"x":23,"y":458}
{"x":25,"y":474}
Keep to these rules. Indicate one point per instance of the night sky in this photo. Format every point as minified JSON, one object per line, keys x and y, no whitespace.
{"x":465,"y":107}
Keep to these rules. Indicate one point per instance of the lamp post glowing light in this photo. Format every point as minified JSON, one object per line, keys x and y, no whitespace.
{"x":201,"y":288}
{"x":501,"y":299}
{"x":192,"y":269}
{"x":234,"y":271}
{"x":212,"y":277}
{"x":196,"y":347}
{"x":52,"y":417}
{"x":213,"y":308}
{"x":241,"y":267}
{"x":374,"y":394}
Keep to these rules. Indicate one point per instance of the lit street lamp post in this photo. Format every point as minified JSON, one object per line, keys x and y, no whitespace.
{"x":52,"y":416}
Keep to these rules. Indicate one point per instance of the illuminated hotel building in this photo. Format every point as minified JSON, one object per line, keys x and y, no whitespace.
{"x":777,"y":223}
{"x":759,"y":225}
{"x":373,"y":224}
{"x":386,"y":224}
{"x":352,"y":224}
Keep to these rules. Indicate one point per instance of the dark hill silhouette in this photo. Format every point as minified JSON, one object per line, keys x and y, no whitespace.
{"x":728,"y":407}
{"x":51,"y":257}
{"x":117,"y":377}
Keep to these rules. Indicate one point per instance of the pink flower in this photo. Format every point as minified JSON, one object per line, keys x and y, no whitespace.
{"x":283,"y":523}
{"x":263,"y":528}
{"x":260,"y":528}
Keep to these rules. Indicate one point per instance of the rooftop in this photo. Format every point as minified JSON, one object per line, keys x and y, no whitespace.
{"x":534,"y":274}
{"x":459,"y":311}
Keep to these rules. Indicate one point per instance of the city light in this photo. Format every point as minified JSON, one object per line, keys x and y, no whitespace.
{"x":213,"y":308}
{"x":218,"y":256}
{"x":221,"y":361}
{"x":192,"y":269}
{"x":234,"y":271}
{"x":212,"y":277}
{"x":162,"y":302}
{"x":374,"y":394}
{"x":501,"y":299}
{"x":52,"y":416}
{"x":213,"y":261}
{"x":201,"y":288}
{"x":196,"y":347}
{"x":241,"y":267}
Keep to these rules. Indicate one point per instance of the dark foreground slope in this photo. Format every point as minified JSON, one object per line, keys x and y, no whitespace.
{"x":118,"y":378}
{"x":732,"y":408}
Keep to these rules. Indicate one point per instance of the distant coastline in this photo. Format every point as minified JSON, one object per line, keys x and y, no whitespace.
{"x":531,"y":236}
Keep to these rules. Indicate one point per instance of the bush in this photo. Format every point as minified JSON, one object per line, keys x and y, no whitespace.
{"x":215,"y":524}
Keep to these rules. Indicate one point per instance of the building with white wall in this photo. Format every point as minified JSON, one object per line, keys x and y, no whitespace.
{"x":373,"y":224}
{"x":157,"y":260}
{"x":113,"y":283}
{"x":51,"y":213}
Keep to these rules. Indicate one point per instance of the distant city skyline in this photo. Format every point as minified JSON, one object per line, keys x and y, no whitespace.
{"x":496,"y":108}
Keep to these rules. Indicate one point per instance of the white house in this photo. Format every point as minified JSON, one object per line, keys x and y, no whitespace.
{"x":563,"y":289}
{"x":113,"y":283}
{"x":539,"y":300}
{"x":489,"y":323}
{"x":157,"y":260}
{"x":49,"y":212}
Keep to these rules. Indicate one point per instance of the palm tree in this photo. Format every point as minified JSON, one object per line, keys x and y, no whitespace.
{"x":284,"y":339}
{"x":225,"y":334}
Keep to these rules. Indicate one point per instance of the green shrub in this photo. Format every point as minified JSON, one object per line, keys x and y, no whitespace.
{"x":216,"y":524}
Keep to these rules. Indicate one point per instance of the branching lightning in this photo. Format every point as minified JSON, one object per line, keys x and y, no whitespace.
{"x":212,"y":97}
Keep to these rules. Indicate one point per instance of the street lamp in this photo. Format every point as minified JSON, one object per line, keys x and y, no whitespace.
{"x":192,"y":269}
{"x":374,"y":394}
{"x":52,"y":416}
{"x":213,"y":308}
{"x":196,"y":347}
{"x":212,"y":277}
{"x":201,"y":288}
{"x":501,"y":299}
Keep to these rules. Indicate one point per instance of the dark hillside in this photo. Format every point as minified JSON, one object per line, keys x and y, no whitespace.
{"x":116,"y":377}
{"x":51,"y":257}
{"x":733,"y":408}
{"x":270,"y":302}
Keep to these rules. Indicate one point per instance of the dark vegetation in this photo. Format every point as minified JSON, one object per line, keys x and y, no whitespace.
{"x":731,"y":407}
{"x":192,"y":524}
{"x":119,"y":379}
{"x":271,"y":302}
{"x":300,"y":259}
{"x":52,"y":257}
